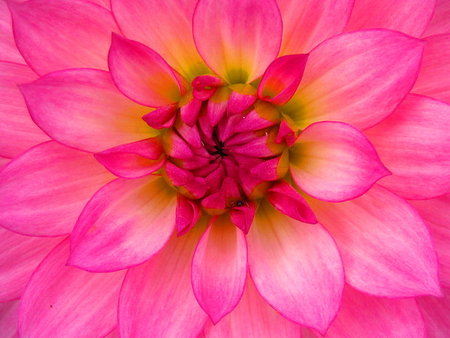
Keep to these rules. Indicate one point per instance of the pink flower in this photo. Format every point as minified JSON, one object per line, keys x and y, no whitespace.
{"x":225,"y":168}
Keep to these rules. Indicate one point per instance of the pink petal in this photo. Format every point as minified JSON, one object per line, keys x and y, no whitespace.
{"x":187,"y":214}
{"x":4,"y":161}
{"x":242,"y":214}
{"x":143,"y":20}
{"x":8,"y":319}
{"x":334,"y":162}
{"x":281,"y":79}
{"x":350,"y":72}
{"x":432,"y":80}
{"x":436,"y":216}
{"x":365,"y":316}
{"x":306,"y":23}
{"x":237,"y":40}
{"x":253,"y":318}
{"x":204,"y":87}
{"x":219,"y":268}
{"x":436,"y":313}
{"x":163,"y":117}
{"x":439,"y":23}
{"x":157,"y":296}
{"x":264,"y":115}
{"x":124,"y":224}
{"x":407,"y":16}
{"x":17,"y":129}
{"x":44,"y":190}
{"x":296,"y":268}
{"x":8,"y":48}
{"x":416,"y":133}
{"x":385,"y":246}
{"x":273,"y":169}
{"x":61,"y":301}
{"x":133,"y":160}
{"x":53,"y":34}
{"x":141,"y":73}
{"x":289,"y":201}
{"x":19,"y":257}
{"x":82,"y":108}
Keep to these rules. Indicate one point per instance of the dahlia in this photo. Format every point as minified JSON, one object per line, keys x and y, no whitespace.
{"x":225,"y":168}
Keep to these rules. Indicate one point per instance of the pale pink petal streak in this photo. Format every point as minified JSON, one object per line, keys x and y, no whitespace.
{"x":413,"y":142}
{"x":62,"y":301}
{"x":124,"y":224}
{"x":296,"y":268}
{"x":408,"y":16}
{"x":237,"y":39}
{"x":143,"y":20}
{"x":386,"y":248}
{"x":8,"y":48}
{"x":219,"y":268}
{"x":334,"y":162}
{"x":157,"y":296}
{"x":44,"y":190}
{"x":60,"y":34}
{"x":357,"y":78}
{"x":82,"y":108}
{"x":306,"y":23}
{"x":253,"y":318}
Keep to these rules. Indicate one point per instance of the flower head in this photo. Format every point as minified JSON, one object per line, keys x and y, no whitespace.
{"x":209,"y":168}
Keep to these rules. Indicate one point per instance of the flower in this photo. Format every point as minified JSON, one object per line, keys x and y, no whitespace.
{"x":225,"y":168}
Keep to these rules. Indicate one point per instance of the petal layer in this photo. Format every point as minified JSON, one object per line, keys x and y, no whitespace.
{"x":436,"y":313}
{"x":219,"y":268}
{"x":60,"y":34}
{"x":124,"y":224}
{"x":44,"y":190}
{"x":385,"y":246}
{"x":8,"y":48}
{"x":296,"y":268}
{"x":157,"y":296}
{"x":253,"y":318}
{"x":351,"y":72}
{"x":237,"y":39}
{"x":16,"y":127}
{"x":61,"y":301}
{"x":19,"y":257}
{"x":334,"y":162}
{"x":413,"y":143}
{"x":82,"y":108}
{"x":8,"y":319}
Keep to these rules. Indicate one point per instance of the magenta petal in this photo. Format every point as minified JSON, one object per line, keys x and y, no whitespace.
{"x":281,"y":79}
{"x":415,"y":134}
{"x":436,"y":313}
{"x":83,"y":109}
{"x":133,"y":160}
{"x":187,"y":214}
{"x":61,"y":301}
{"x":407,"y":16}
{"x":237,"y":39}
{"x":124,"y":224}
{"x":8,"y":48}
{"x":162,"y":117}
{"x":8,"y":319}
{"x":44,"y":190}
{"x":296,"y":268}
{"x":439,"y":23}
{"x":242,"y":216}
{"x":306,"y":23}
{"x":350,"y":72}
{"x":19,"y":257}
{"x":157,"y":296}
{"x":365,"y":316}
{"x":53,"y":34}
{"x":334,"y":162}
{"x":432,"y":80}
{"x":253,"y":318}
{"x":219,"y":268}
{"x":142,"y":74}
{"x":434,"y":212}
{"x":17,"y":130}
{"x":288,"y":201}
{"x":386,"y":248}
